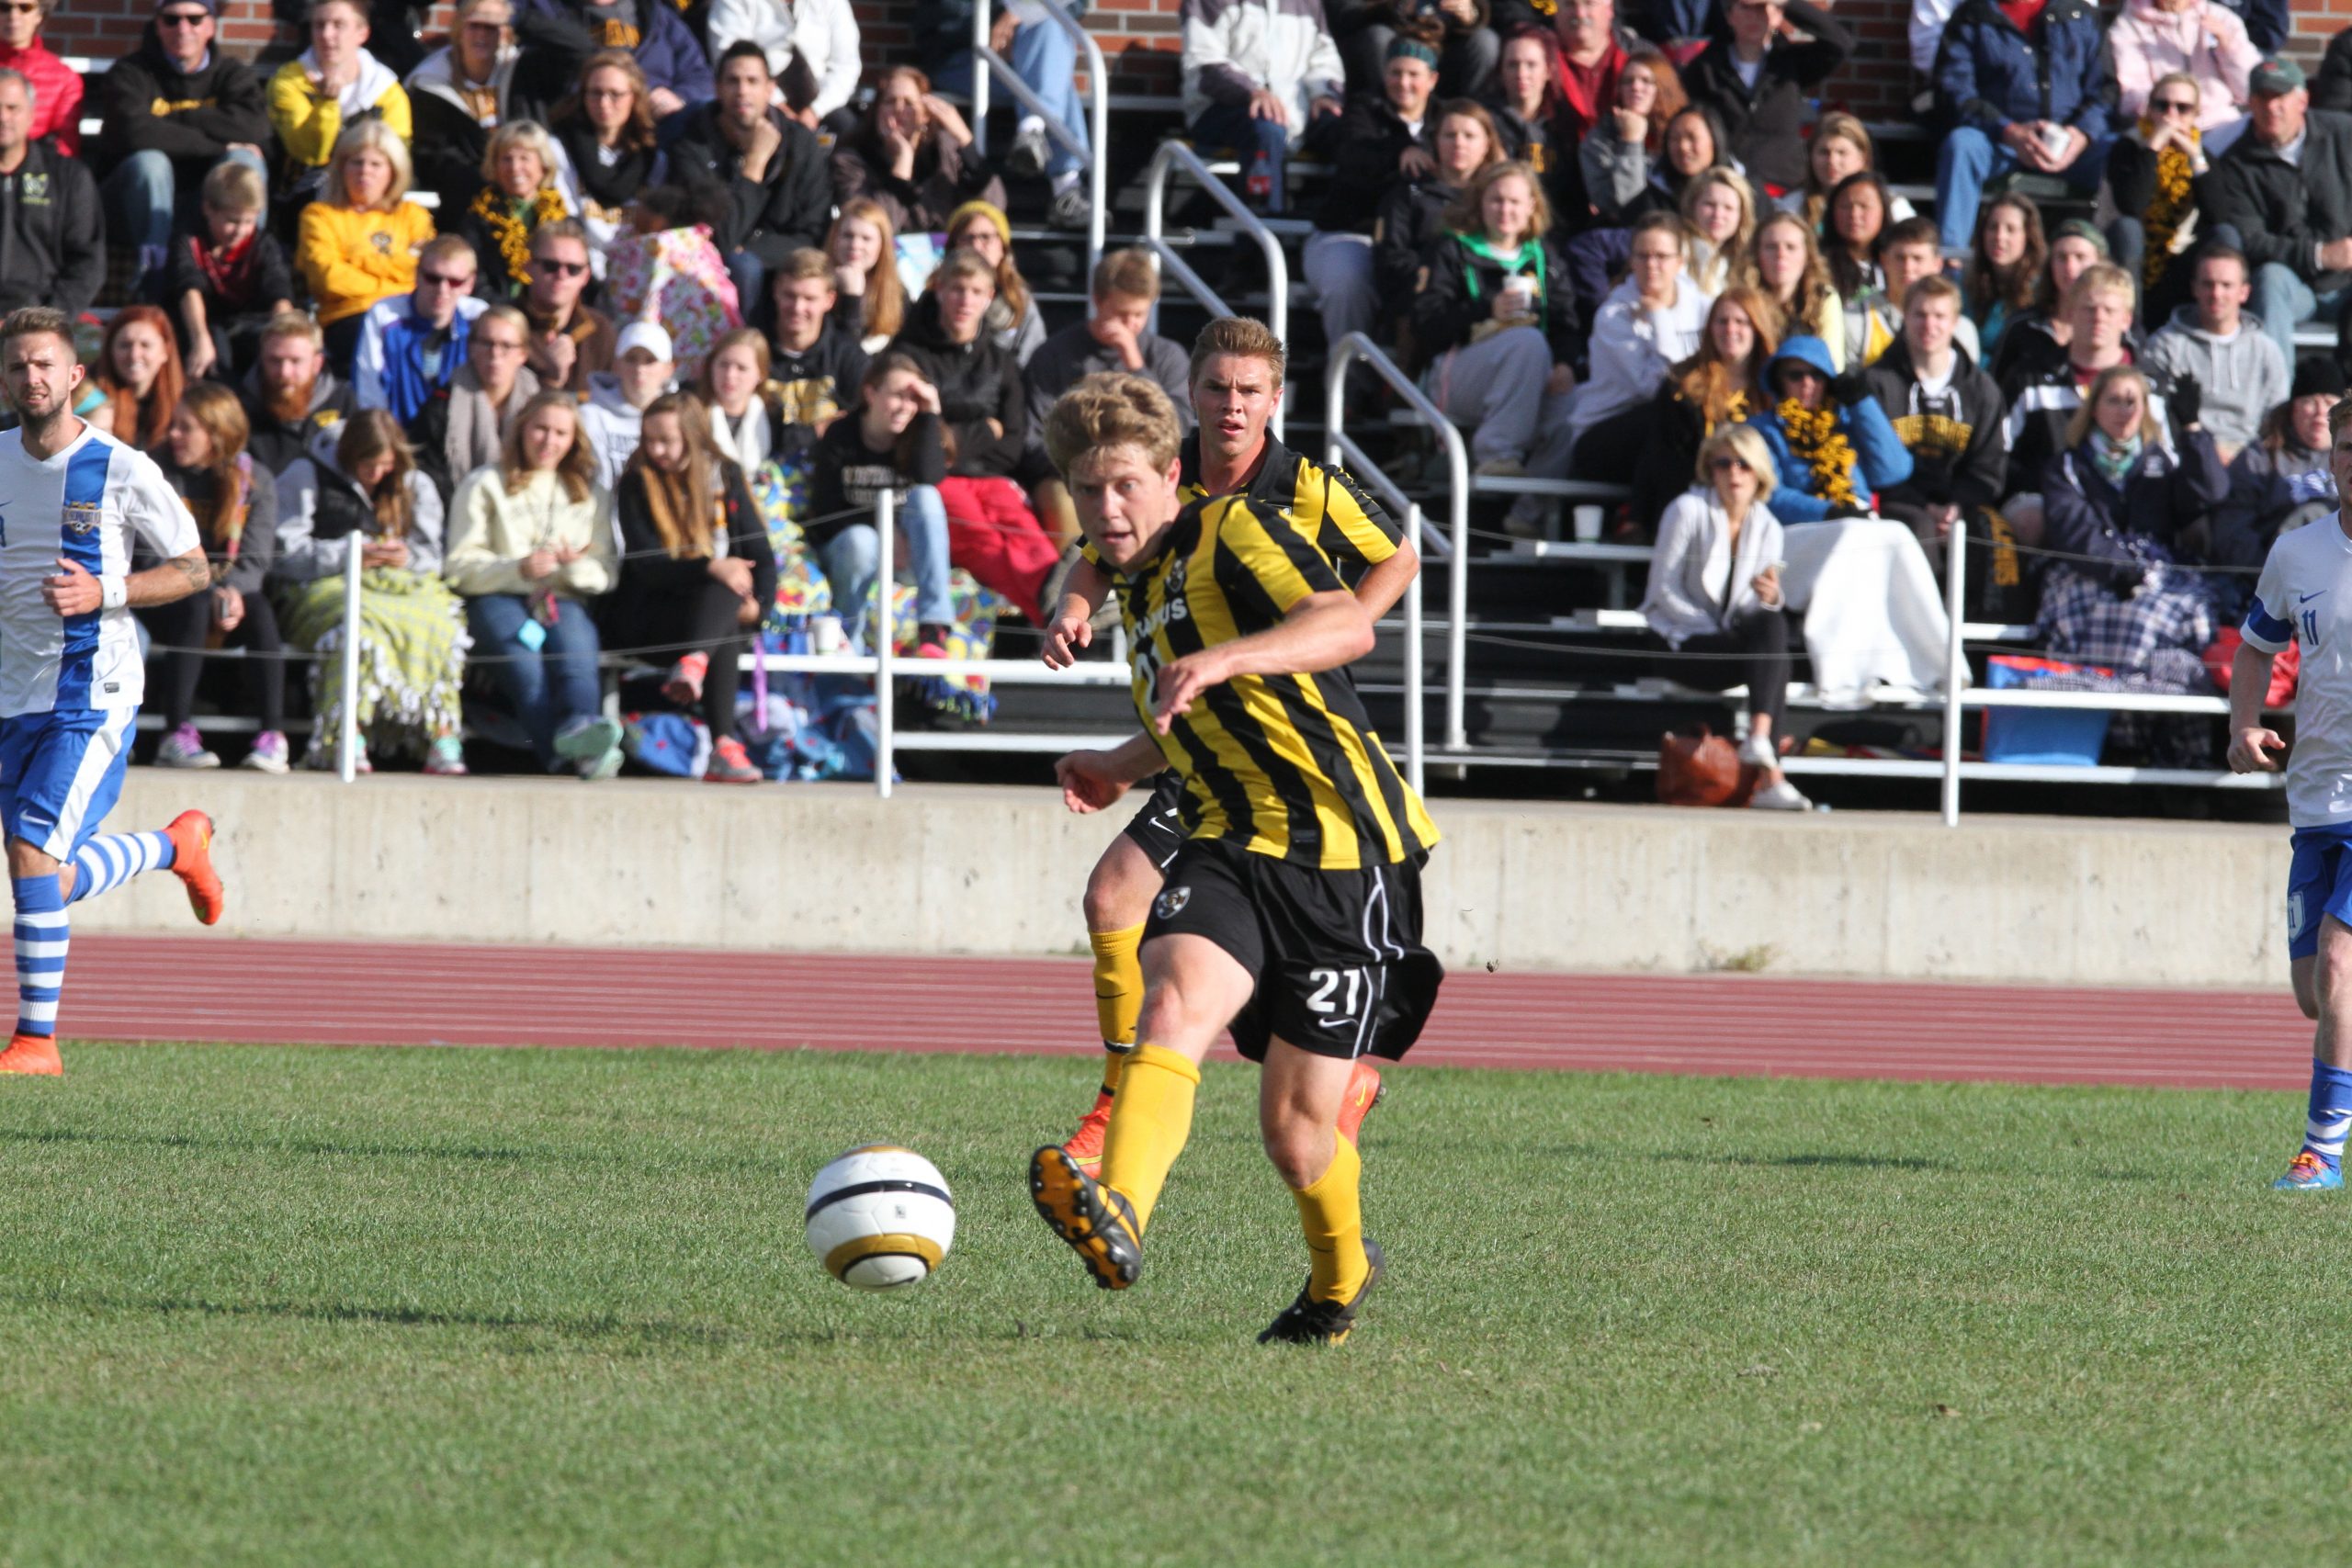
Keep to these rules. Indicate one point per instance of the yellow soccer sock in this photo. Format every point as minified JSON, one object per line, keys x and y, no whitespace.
{"x":1118,"y":988}
{"x":1149,"y":1121}
{"x":1331,"y":1213}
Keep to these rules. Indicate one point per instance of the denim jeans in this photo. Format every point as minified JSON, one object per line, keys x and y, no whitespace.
{"x":143,"y":201}
{"x":2283,"y":301}
{"x":851,"y":557}
{"x":1968,"y":158}
{"x":1230,"y":128}
{"x":1047,"y":61}
{"x":546,"y":686}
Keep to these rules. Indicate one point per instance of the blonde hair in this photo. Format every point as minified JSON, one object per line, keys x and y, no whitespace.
{"x":1107,"y":410}
{"x":2099,"y":277}
{"x":520,"y":133}
{"x":1742,"y":441}
{"x":1727,"y":254}
{"x":575,"y":470}
{"x":381,"y":138}
{"x":232,"y":186}
{"x":2079,"y":429}
{"x":1813,"y":285}
{"x":1467,"y":213}
{"x":1130,"y":272}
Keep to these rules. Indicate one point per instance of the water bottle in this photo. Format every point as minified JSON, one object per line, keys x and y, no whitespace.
{"x":1262,"y":176}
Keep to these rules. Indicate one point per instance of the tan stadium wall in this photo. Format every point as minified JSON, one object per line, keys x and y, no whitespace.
{"x":971,"y":869}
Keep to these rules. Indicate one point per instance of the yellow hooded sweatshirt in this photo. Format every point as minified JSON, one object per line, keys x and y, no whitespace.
{"x":351,"y":259}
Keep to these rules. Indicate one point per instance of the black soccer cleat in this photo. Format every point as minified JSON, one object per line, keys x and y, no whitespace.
{"x":1098,"y":1223}
{"x":1309,"y":1322}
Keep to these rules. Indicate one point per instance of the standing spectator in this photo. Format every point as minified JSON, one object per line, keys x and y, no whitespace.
{"x":1948,"y":415}
{"x":2031,"y":96}
{"x":359,"y":243}
{"x":570,"y":342}
{"x":466,"y":428}
{"x":57,"y":86}
{"x":1761,"y":82}
{"x":811,"y":47}
{"x":773,"y":174}
{"x":1719,"y":209}
{"x":329,"y":88}
{"x":700,"y":574}
{"x":2223,"y":351}
{"x":1412,"y":215}
{"x":1457,"y":31}
{"x":1783,"y":262}
{"x":2153,"y":173}
{"x":458,"y":94}
{"x":1651,"y":323}
{"x":1908,"y":255}
{"x":605,"y":131}
{"x":530,"y":541}
{"x":290,"y":395}
{"x":1859,"y":213}
{"x":892,"y":443}
{"x":1045,"y":60}
{"x":1382,"y":141}
{"x":2042,"y":394}
{"x":139,"y":370}
{"x":815,"y":364}
{"x":559,"y":36}
{"x":1115,"y":335}
{"x":2003,"y":266}
{"x":642,"y":373}
{"x":359,"y":488}
{"x":1721,"y":385}
{"x":2282,"y":482}
{"x":411,"y":345}
{"x":234,"y":501}
{"x":1832,"y":443}
{"x":1523,"y":103}
{"x":230,"y":278}
{"x":172,"y":109}
{"x":1014,"y":321}
{"x":749,"y":417}
{"x":1256,"y":76}
{"x":2199,"y":39}
{"x":912,"y":153}
{"x":53,"y":244}
{"x":1841,"y":147}
{"x":517,"y":195}
{"x":2286,"y":188}
{"x":870,"y":302}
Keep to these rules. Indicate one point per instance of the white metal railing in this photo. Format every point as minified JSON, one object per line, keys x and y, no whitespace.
{"x":988,"y":65}
{"x":1175,"y":155}
{"x":347,"y":743}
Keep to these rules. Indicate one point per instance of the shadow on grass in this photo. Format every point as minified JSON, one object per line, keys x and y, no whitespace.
{"x":1768,"y":1162}
{"x":324,"y":1148}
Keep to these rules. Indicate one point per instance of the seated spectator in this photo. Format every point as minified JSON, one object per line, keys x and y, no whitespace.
{"x":359,"y":243}
{"x":606,"y":133}
{"x":466,"y":427}
{"x":1045,"y":59}
{"x":894,"y":443}
{"x":1680,"y":27}
{"x":1597,"y":257}
{"x":1948,"y":415}
{"x":290,"y":394}
{"x":234,"y":501}
{"x":52,"y":242}
{"x":870,"y":302}
{"x":1381,"y":143}
{"x":2333,"y":89}
{"x":749,"y":418}
{"x":1412,"y":214}
{"x":1761,"y":79}
{"x":1786,"y":265}
{"x":1719,"y":209}
{"x":530,"y":542}
{"x":1013,"y":323}
{"x":643,"y":372}
{"x":815,"y":365}
{"x":1115,"y":335}
{"x":229,"y":277}
{"x":2043,"y":392}
{"x":1624,"y":160}
{"x":1588,"y":52}
{"x":2221,"y":348}
{"x":2202,"y":40}
{"x":778,"y":189}
{"x":1651,"y":323}
{"x":1465,"y":46}
{"x":459,"y":96}
{"x":517,"y":195}
{"x":911,"y":152}
{"x":812,"y":52}
{"x":139,"y":370}
{"x":2118,"y":502}
{"x":2005,"y":267}
{"x":559,"y":36}
{"x":701,"y":572}
{"x":2034,"y":98}
{"x":172,"y":109}
{"x":1714,"y":602}
{"x":2286,"y":188}
{"x":359,"y":488}
{"x":2151,"y":174}
{"x":1721,"y":385}
{"x":1831,"y":442}
{"x":330,"y":89}
{"x":56,"y":86}
{"x":2283,"y":481}
{"x":1255,"y":79}
{"x":570,"y":342}
{"x":1523,"y":103}
{"x":1840,"y":149}
{"x":1859,"y":211}
{"x":411,"y":345}
{"x":1908,"y":255}
{"x":2039,"y":337}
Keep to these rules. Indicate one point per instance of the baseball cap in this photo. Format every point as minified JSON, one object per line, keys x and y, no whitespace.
{"x":647,"y":335}
{"x":2276,"y":77}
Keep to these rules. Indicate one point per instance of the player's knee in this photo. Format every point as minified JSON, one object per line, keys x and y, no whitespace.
{"x":1299,"y":1147}
{"x":1116,"y":896}
{"x":2306,"y":983}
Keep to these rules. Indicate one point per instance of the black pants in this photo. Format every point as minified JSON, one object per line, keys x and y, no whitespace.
{"x":1610,"y":451}
{"x":180,"y":629}
{"x":700,"y":619}
{"x":1752,"y":652}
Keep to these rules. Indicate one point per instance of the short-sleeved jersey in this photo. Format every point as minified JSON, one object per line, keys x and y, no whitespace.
{"x":84,"y":504}
{"x":2305,"y":596}
{"x":1283,"y":765}
{"x":1336,"y":515}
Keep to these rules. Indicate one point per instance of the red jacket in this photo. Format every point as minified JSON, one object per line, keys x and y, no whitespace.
{"x":57,"y":94}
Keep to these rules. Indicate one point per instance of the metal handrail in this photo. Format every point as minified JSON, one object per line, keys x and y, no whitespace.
{"x":1098,"y":110}
{"x":1354,"y":349}
{"x":1174,"y":156}
{"x":1416,"y":722}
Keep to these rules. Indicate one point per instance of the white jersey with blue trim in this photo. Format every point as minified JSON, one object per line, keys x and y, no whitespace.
{"x":83,"y":505}
{"x":2305,"y":596}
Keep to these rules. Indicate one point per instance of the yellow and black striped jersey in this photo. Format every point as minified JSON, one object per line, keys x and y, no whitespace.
{"x":1336,"y":515}
{"x":1283,"y":765}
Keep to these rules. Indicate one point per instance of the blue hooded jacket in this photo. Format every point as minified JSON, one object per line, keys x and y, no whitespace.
{"x":1988,"y":74}
{"x":1881,"y":459}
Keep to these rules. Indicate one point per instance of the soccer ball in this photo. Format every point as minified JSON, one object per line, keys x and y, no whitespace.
{"x":880,"y":1217}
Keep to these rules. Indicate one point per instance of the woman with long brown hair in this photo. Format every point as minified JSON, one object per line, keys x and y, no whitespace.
{"x":234,"y":500}
{"x":871,"y":301}
{"x":359,"y":488}
{"x":912,"y":154}
{"x":1785,"y":263}
{"x":698,"y":573}
{"x":1720,"y":384}
{"x":139,"y":370}
{"x":2003,"y":266}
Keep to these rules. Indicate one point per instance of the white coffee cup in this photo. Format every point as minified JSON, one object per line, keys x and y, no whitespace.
{"x":1521,"y":289}
{"x":1588,"y":524}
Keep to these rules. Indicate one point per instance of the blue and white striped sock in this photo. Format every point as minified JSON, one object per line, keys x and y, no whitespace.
{"x":110,"y":859}
{"x":41,"y":936}
{"x":2331,"y":1113}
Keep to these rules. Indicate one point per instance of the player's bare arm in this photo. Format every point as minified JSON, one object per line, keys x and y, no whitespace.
{"x":1072,"y":626}
{"x":1322,"y":631}
{"x":2250,"y":742}
{"x":73,"y":591}
{"x":1379,"y":589}
{"x":1094,"y":780}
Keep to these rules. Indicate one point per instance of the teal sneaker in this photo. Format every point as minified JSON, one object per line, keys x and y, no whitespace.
{"x":2309,"y":1174}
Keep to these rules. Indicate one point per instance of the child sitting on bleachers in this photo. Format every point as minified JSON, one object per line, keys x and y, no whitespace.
{"x":227,"y":277}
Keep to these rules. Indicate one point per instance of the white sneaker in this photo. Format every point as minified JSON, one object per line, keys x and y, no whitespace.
{"x":1780,"y":796}
{"x":1758,"y":752}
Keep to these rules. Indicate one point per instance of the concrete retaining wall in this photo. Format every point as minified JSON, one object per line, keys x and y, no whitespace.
{"x":985,"y":869}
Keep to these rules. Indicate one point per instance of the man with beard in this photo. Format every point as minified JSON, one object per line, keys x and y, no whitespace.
{"x":290,"y":395}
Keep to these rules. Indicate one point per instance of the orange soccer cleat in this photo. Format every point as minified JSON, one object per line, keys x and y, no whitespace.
{"x":191,"y":836}
{"x":33,"y":1054}
{"x":1364,"y":1092}
{"x":1085,"y":1145}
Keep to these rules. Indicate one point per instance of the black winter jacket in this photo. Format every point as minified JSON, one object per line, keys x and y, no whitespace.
{"x":271,"y":279}
{"x":202,"y":111}
{"x":1410,"y":219}
{"x":1365,"y":144}
{"x":788,"y":208}
{"x":648,"y":572}
{"x":846,"y":477}
{"x":257,"y":549}
{"x":1460,"y":296}
{"x":977,"y":381}
{"x":2088,"y":517}
{"x":52,"y":240}
{"x":2284,"y":211}
{"x":1765,"y":122}
{"x":1959,"y":452}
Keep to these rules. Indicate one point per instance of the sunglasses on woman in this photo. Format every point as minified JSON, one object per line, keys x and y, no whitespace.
{"x":1726,"y":463}
{"x":2172,"y":106}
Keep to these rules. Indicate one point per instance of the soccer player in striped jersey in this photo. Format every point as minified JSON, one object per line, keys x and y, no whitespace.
{"x":1236,"y":385}
{"x":1292,"y":913}
{"x":74,"y":501}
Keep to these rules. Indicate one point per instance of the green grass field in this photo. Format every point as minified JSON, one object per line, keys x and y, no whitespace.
{"x":312,"y":1306}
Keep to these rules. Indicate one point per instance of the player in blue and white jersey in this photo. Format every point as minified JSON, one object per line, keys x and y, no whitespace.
{"x":72,"y":499}
{"x":2305,"y":596}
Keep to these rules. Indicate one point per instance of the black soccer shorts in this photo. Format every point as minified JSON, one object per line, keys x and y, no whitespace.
{"x":1337,"y":954}
{"x":1158,"y":829}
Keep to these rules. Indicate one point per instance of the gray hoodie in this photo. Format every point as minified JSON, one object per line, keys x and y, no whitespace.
{"x":2243,"y":378}
{"x":612,"y":425}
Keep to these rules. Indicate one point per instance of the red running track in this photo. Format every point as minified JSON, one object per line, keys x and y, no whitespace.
{"x":124,"y":987}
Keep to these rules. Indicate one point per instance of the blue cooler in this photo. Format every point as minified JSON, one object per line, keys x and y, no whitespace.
{"x":2050,"y":738}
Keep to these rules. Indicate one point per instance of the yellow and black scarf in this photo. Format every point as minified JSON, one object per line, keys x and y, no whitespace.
{"x":504,"y":217}
{"x":1815,"y":441}
{"x":2173,"y":202}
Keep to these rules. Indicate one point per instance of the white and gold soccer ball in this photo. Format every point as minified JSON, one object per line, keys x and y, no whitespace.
{"x":880,"y":1217}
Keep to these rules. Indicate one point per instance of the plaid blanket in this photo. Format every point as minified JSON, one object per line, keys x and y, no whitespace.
{"x":2158,"y":634}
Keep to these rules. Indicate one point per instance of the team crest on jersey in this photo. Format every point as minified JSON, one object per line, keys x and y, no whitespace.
{"x":82,"y":518}
{"x":1171,"y":903}
{"x":382,"y":242}
{"x":34,"y":192}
